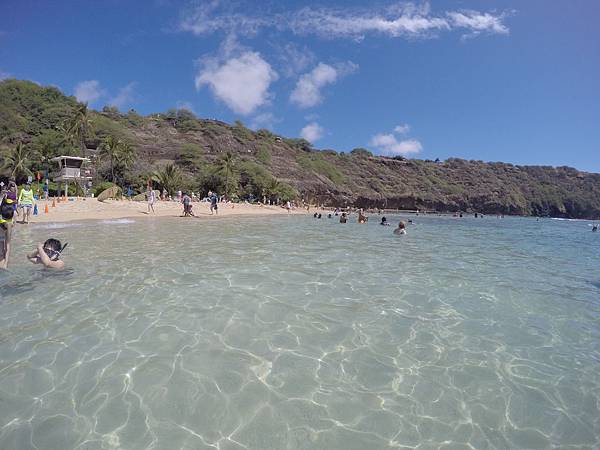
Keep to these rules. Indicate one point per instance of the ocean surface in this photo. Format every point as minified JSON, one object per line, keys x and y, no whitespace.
{"x":297,"y":333}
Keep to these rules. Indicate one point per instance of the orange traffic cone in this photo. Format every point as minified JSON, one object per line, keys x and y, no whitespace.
{"x":46,"y":209}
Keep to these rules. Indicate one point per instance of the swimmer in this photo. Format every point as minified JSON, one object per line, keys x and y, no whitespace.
{"x":6,"y":223}
{"x":319,"y":216}
{"x":48,"y":254}
{"x":329,"y":216}
{"x":594,"y":228}
{"x":384,"y":222}
{"x":361,"y":216}
{"x":315,"y":215}
{"x":343,"y":218}
{"x":401,"y":228}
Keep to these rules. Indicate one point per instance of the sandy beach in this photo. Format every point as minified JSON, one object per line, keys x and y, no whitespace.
{"x":92,"y":209}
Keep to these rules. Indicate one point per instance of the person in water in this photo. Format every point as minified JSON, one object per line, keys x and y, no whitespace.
{"x":48,"y":254}
{"x":26,"y":202}
{"x":343,"y":218}
{"x":6,"y":223}
{"x":594,"y":228}
{"x":361,"y":216}
{"x":384,"y":222}
{"x":401,"y":228}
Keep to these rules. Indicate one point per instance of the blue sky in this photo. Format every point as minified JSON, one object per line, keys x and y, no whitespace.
{"x":514,"y":81}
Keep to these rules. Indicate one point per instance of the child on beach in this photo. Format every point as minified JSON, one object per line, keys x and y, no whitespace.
{"x":6,"y":223}
{"x":48,"y":254}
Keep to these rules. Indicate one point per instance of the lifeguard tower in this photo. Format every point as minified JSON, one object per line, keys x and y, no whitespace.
{"x":71,"y":169}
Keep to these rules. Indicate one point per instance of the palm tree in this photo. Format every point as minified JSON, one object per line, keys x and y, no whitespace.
{"x":226,"y":168}
{"x":18,"y":161}
{"x":109,"y":149}
{"x":79,"y":125}
{"x":168,"y":177}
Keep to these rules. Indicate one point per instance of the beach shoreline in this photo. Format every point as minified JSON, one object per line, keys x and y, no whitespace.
{"x":92,"y":209}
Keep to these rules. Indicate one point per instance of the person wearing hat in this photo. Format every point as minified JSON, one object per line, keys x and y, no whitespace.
{"x":25,"y":202}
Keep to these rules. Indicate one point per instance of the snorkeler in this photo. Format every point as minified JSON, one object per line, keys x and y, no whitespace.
{"x":48,"y":254}
{"x":401,"y":228}
{"x":384,"y":222}
{"x":6,"y":223}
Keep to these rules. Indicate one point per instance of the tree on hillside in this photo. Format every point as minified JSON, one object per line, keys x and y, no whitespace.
{"x":17,"y":161}
{"x":226,"y":167}
{"x":119,"y":154}
{"x":79,"y":126}
{"x":168,"y":177}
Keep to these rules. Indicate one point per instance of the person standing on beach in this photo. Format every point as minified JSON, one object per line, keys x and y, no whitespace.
{"x":213,"y":203}
{"x":6,"y":223}
{"x":151,"y":196}
{"x":26,"y":202}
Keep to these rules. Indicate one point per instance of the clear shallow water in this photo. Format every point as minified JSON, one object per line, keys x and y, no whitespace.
{"x":293,"y":333}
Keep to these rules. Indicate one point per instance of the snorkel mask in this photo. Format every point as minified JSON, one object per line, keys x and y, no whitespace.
{"x":54,"y":255}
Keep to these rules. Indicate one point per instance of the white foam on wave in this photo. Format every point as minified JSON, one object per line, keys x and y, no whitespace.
{"x":117,"y":221}
{"x":54,"y":226}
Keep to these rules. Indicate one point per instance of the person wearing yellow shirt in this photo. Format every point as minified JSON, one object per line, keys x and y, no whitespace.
{"x":26,"y":202}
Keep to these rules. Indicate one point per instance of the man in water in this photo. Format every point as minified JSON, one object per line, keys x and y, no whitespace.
{"x":361,"y":216}
{"x":213,"y":203}
{"x":26,"y":202}
{"x":48,"y":254}
{"x":343,"y":218}
{"x":6,"y":223}
{"x":384,"y":222}
{"x":401,"y":228}
{"x":594,"y":228}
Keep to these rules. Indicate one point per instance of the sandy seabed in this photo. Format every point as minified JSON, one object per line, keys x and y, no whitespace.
{"x":92,"y":209}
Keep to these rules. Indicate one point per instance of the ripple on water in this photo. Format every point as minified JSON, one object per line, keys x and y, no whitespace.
{"x":292,"y":333}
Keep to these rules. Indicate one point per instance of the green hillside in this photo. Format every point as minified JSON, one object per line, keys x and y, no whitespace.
{"x":177,"y":149}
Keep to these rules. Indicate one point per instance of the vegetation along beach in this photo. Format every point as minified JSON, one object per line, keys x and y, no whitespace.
{"x":298,"y":225}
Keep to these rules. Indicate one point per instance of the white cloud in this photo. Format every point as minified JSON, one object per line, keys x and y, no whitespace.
{"x":241,"y":82}
{"x":402,"y":129}
{"x":312,"y":132}
{"x":264,"y":120}
{"x":389,"y":145}
{"x":4,"y":75}
{"x":307,"y":92}
{"x":125,"y":96}
{"x":185,"y":105}
{"x":294,"y":59}
{"x":88,"y":91}
{"x":477,"y":23}
{"x":405,"y":20}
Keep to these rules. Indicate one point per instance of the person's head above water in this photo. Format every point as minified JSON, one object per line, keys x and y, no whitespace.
{"x":402,"y":225}
{"x":53,"y":248}
{"x":383,"y":219}
{"x":7,"y":210}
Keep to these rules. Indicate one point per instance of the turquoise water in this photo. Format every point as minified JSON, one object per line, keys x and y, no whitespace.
{"x":295,"y":333}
